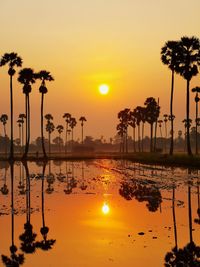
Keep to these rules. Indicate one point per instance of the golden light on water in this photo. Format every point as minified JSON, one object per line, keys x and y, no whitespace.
{"x":105,"y":208}
{"x":104,"y":89}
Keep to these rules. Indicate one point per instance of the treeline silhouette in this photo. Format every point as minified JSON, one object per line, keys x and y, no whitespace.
{"x":183,"y":58}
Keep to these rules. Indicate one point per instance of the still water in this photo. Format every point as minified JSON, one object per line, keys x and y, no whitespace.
{"x":98,"y":213}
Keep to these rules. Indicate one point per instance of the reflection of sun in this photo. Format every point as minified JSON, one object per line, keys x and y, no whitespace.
{"x":105,"y":208}
{"x":104,"y":89}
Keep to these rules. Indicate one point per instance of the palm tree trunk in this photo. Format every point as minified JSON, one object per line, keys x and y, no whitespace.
{"x":142,"y":136}
{"x":196,"y":133}
{"x":11,"y":120}
{"x":188,"y":117}
{"x":27,"y":119}
{"x":66,"y":138}
{"x":151,"y":137}
{"x":165,"y":136}
{"x":42,"y":125}
{"x":139,"y":146}
{"x":82,"y":133}
{"x":171,"y":114}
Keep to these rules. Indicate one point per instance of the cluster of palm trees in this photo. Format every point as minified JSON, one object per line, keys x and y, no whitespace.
{"x":26,"y":77}
{"x":137,"y":118}
{"x":183,"y":58}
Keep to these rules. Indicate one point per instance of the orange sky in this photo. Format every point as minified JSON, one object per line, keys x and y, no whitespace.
{"x":86,"y":43}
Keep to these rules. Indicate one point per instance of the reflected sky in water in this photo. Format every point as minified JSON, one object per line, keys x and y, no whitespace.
{"x":98,"y":213}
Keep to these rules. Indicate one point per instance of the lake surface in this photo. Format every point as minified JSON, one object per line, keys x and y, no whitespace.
{"x":98,"y":213}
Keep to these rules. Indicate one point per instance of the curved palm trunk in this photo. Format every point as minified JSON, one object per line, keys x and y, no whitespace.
{"x":171,"y":114}
{"x":42,"y":126}
{"x":11,"y":120}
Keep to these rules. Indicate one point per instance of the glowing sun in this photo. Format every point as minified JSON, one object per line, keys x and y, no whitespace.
{"x":105,"y":208}
{"x":104,"y":89}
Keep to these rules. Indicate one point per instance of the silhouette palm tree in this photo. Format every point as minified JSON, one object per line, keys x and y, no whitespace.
{"x":123,"y":116}
{"x":44,"y":76}
{"x":19,"y":122}
{"x":67,"y":117}
{"x":196,"y":90}
{"x":27,"y":77}
{"x":72,"y":124}
{"x":50,"y":128}
{"x":48,"y":117}
{"x":44,"y":244}
{"x":152,"y":114}
{"x":13,"y":60}
{"x":188,"y":67}
{"x":60,"y":129}
{"x":138,"y":115}
{"x":170,"y":57}
{"x":4,"y":119}
{"x":82,"y":119}
{"x":14,"y":259}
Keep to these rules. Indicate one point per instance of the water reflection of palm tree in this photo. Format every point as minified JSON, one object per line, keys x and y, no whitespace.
{"x":45,"y":243}
{"x":83,"y":185}
{"x":15,"y":259}
{"x":71,"y":181}
{"x":197,"y":220}
{"x":189,"y":255}
{"x":27,"y":238}
{"x":4,"y":188}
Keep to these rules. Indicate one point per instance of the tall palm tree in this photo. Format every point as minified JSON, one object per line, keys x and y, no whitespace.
{"x":44,"y":76}
{"x":60,"y":129}
{"x":170,"y":57}
{"x":13,"y":60}
{"x":196,"y":90}
{"x":72,"y":124}
{"x":67,"y":117}
{"x":4,"y":119}
{"x":27,"y":77}
{"x":82,"y":119}
{"x":50,"y":128}
{"x":188,"y":67}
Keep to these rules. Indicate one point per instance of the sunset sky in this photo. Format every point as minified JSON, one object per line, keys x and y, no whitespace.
{"x":85,"y":43}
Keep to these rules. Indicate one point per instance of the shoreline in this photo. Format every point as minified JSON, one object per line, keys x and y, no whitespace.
{"x":177,"y":160}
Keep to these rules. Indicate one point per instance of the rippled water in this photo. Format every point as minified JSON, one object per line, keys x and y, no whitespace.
{"x":98,"y":213}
